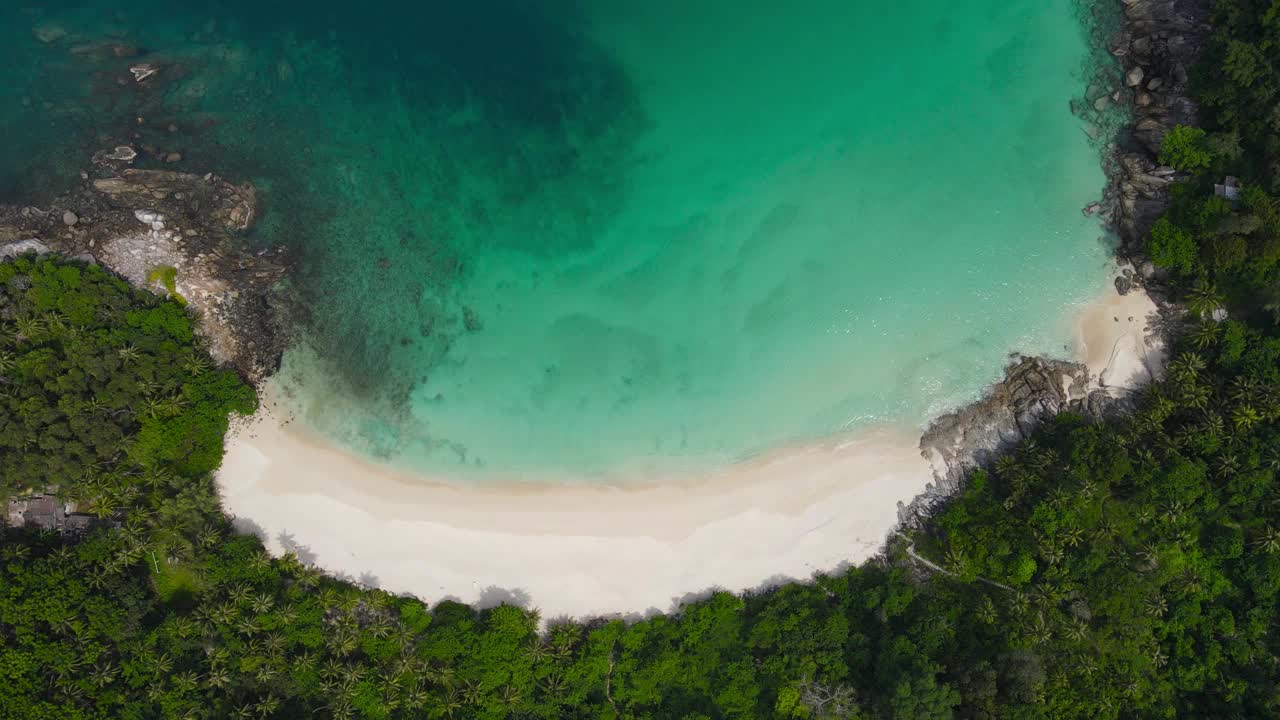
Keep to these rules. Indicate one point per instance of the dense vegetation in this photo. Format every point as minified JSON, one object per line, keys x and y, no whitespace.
{"x":1103,"y":570}
{"x":102,"y":391}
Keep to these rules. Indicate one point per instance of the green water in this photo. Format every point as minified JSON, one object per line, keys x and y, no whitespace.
{"x":559,"y":237}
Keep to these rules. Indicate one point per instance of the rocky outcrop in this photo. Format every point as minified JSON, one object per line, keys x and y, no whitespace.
{"x":1034,"y":389}
{"x":1157,"y":42}
{"x":133,"y":221}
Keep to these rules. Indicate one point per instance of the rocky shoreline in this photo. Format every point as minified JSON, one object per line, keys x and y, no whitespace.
{"x":1156,"y":44}
{"x":134,"y":221}
{"x":132,"y":209}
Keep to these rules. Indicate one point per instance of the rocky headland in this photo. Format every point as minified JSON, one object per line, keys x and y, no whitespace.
{"x":1155,"y":44}
{"x":136,"y":221}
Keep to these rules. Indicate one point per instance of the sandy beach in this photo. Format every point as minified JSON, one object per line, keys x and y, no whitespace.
{"x":1111,"y":339}
{"x":579,"y":550}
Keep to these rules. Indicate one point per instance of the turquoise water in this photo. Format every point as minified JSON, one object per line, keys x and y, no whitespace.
{"x":564,"y":237}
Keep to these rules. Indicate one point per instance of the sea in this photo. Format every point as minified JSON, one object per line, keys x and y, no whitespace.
{"x":580,"y":239}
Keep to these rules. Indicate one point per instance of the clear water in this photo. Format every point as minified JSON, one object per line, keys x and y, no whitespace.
{"x":566,"y":238}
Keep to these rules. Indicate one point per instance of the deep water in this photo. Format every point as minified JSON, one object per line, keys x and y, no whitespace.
{"x":559,"y":237}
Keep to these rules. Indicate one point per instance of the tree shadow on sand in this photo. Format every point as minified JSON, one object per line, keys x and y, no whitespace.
{"x":291,"y":545}
{"x":493,"y":596}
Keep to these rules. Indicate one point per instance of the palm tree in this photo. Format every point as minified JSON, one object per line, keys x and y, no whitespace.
{"x":161,"y":663}
{"x":1038,"y":631}
{"x":28,"y":328}
{"x":308,"y":576}
{"x":449,"y":706}
{"x":1173,"y":511}
{"x":344,"y":642}
{"x":226,"y":613}
{"x":472,"y":691}
{"x":1268,"y":541}
{"x":416,"y":698}
{"x":1190,"y":582}
{"x":1149,"y":554}
{"x":1088,"y":488}
{"x":195,"y":364}
{"x":956,"y":560}
{"x":274,"y":642}
{"x":1077,"y":630}
{"x":184,"y":627}
{"x":239,"y":594}
{"x":1196,"y":395}
{"x":1228,"y":465}
{"x":1186,"y":367}
{"x":153,"y":408}
{"x":306,"y":661}
{"x":286,"y":614}
{"x":260,"y":560}
{"x":264,"y":673}
{"x":1156,"y":605}
{"x":380,"y":627}
{"x":986,"y":612}
{"x":248,"y":626}
{"x":208,"y":536}
{"x":1205,"y":335}
{"x":537,"y":651}
{"x":262,"y":603}
{"x":267,"y":706}
{"x":129,"y":353}
{"x":332,"y":669}
{"x":1246,"y":390}
{"x":1245,"y":418}
{"x":1204,"y":298}
{"x":443,"y":675}
{"x":554,"y":685}
{"x":185,"y":682}
{"x":510,"y":695}
{"x":104,"y":673}
{"x":218,"y":678}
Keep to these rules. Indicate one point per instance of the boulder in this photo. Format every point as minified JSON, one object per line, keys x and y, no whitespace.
{"x":22,"y":247}
{"x":1134,"y":77}
{"x":1033,"y":389}
{"x":1124,"y":285}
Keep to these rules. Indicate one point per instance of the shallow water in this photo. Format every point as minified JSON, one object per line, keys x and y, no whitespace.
{"x":561,"y":237}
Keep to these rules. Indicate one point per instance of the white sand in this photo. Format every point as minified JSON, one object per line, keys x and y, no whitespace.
{"x":1112,"y":340}
{"x":581,"y":550}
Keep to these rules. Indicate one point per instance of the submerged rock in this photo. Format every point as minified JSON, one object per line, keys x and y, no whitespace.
{"x":142,"y":71}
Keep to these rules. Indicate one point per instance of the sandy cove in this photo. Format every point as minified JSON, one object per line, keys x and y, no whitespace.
{"x":579,"y":550}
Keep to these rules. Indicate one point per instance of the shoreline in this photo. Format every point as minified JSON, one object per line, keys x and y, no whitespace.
{"x":593,"y":550}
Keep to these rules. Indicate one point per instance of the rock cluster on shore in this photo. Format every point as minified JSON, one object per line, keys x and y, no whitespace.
{"x":1159,"y":41}
{"x":133,"y":221}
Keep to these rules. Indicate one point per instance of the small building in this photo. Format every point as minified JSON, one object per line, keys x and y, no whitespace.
{"x":1229,"y":188}
{"x":46,"y":512}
